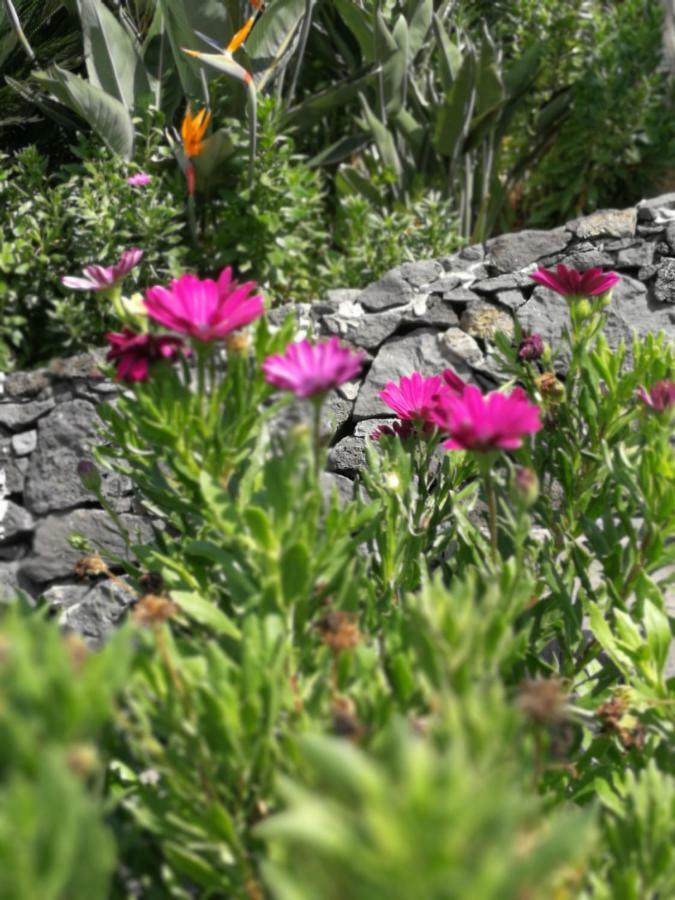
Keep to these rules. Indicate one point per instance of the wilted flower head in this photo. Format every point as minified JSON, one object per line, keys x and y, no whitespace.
{"x":133,"y":353}
{"x":307,"y":369}
{"x":154,"y":610}
{"x":530,"y":348}
{"x":89,"y":475}
{"x":192,"y":131}
{"x":338,"y":630}
{"x":543,"y":699}
{"x":204,"y":309}
{"x":660,"y":397}
{"x":102,"y":278}
{"x":550,"y":387}
{"x":571,"y":283}
{"x":140,"y":179}
{"x":526,"y":485}
{"x":486,"y":422}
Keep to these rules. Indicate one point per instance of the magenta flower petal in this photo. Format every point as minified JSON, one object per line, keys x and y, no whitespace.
{"x":308,"y":369}
{"x":571,"y":283}
{"x":482,"y":423}
{"x":660,"y":397}
{"x":140,"y":179}
{"x":204,"y":309}
{"x":133,"y":354}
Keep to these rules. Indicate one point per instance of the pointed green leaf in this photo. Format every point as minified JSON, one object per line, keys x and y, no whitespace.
{"x":359,"y":23}
{"x":113,"y":61}
{"x":272,"y":38}
{"x":104,"y":114}
{"x":453,"y":116}
{"x":383,"y":139}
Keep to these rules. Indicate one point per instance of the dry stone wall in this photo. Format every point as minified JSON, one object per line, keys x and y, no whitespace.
{"x":422,"y":316}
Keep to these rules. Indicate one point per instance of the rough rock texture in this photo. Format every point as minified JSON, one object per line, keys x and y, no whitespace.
{"x":425,"y":315}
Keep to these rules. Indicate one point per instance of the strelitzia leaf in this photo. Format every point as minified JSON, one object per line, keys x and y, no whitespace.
{"x":272,"y":38}
{"x":106,"y":115}
{"x":113,"y":61}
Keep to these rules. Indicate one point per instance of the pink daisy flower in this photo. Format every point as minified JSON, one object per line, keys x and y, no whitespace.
{"x":204,"y":309}
{"x":414,"y":398}
{"x":453,"y":381}
{"x":660,"y":397}
{"x":486,"y":422}
{"x":133,"y":353}
{"x":140,"y":179}
{"x":308,"y":369}
{"x":102,"y":278}
{"x":571,"y":283}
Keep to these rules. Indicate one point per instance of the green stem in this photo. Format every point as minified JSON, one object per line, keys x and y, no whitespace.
{"x":492,"y":511}
{"x":317,"y":403}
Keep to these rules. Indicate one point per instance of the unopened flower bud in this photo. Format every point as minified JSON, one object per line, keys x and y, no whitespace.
{"x":392,"y":482}
{"x":238,"y":342}
{"x":526,"y":485}
{"x":89,"y":475}
{"x":531,"y":348}
{"x":603,"y":300}
{"x":584,"y":310}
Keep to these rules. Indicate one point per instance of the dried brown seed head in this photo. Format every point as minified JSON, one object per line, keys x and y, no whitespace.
{"x":543,"y":699}
{"x":154,"y":610}
{"x":338,"y":630}
{"x":90,"y":567}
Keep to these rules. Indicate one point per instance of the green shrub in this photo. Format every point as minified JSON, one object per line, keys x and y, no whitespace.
{"x":54,"y":224}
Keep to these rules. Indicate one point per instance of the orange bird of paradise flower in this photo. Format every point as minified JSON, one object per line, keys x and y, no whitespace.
{"x":192,"y":131}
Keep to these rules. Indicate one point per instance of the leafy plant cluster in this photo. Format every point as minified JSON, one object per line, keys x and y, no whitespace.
{"x":388,"y":696}
{"x":55,"y":224}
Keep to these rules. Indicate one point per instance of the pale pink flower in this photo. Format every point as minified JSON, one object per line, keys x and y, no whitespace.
{"x":486,"y":422}
{"x":140,"y":179}
{"x":660,"y":397}
{"x":204,"y":309}
{"x":571,"y":283}
{"x":307,"y":369}
{"x":102,"y":278}
{"x":133,"y":353}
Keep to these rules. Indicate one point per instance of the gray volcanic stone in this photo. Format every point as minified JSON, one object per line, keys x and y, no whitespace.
{"x":391,"y":290}
{"x":421,"y":273}
{"x":461,"y":295}
{"x":649,"y":210}
{"x":636,"y":257}
{"x":9,"y":582}
{"x":24,"y":442}
{"x":431,"y":311}
{"x":424,"y":351}
{"x":16,"y":416}
{"x":670,"y":236}
{"x":65,"y":437}
{"x":510,"y":252}
{"x":583,"y":258}
{"x":615,"y":223}
{"x":349,"y":454}
{"x":444,"y":284}
{"x":367,"y":331}
{"x":16,"y":521}
{"x":506,"y":282}
{"x":14,"y":469}
{"x":331,"y":481}
{"x":482,"y":320}
{"x":664,"y":289}
{"x":53,"y":557}
{"x":91,"y":611}
{"x":512,"y":299}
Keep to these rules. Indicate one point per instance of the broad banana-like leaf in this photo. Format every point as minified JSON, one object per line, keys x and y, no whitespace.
{"x":453,"y":116}
{"x":358,"y":22}
{"x":413,"y":131}
{"x":395,"y":70}
{"x":350,"y":181}
{"x":317,"y":105}
{"x":489,"y":87}
{"x":420,"y":25}
{"x":384,"y":139}
{"x":450,"y":55}
{"x":53,"y":109}
{"x":181,"y":36}
{"x":159,"y":61}
{"x":113,"y":61}
{"x":342,"y":149}
{"x":106,"y":115}
{"x":272,"y":38}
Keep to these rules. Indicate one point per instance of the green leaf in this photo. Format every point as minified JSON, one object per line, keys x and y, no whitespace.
{"x":260,"y":527}
{"x":113,"y":61}
{"x":453,"y":116}
{"x":450,"y":55}
{"x":105,"y":114}
{"x":217,"y":148}
{"x":350,"y":181}
{"x":420,"y":25}
{"x":295,"y":567}
{"x":317,"y":105}
{"x":343,"y":148}
{"x":272,"y":38}
{"x":383,"y":139}
{"x":205,"y":613}
{"x":181,"y":37}
{"x":657,"y":628}
{"x":395,"y":71}
{"x":359,"y":23}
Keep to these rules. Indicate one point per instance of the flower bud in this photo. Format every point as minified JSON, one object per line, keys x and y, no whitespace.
{"x":530,"y":348}
{"x":238,"y":342}
{"x":89,"y":475}
{"x":392,"y":482}
{"x":603,"y":300}
{"x":551,"y":390}
{"x":526,"y":486}
{"x":584,"y":310}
